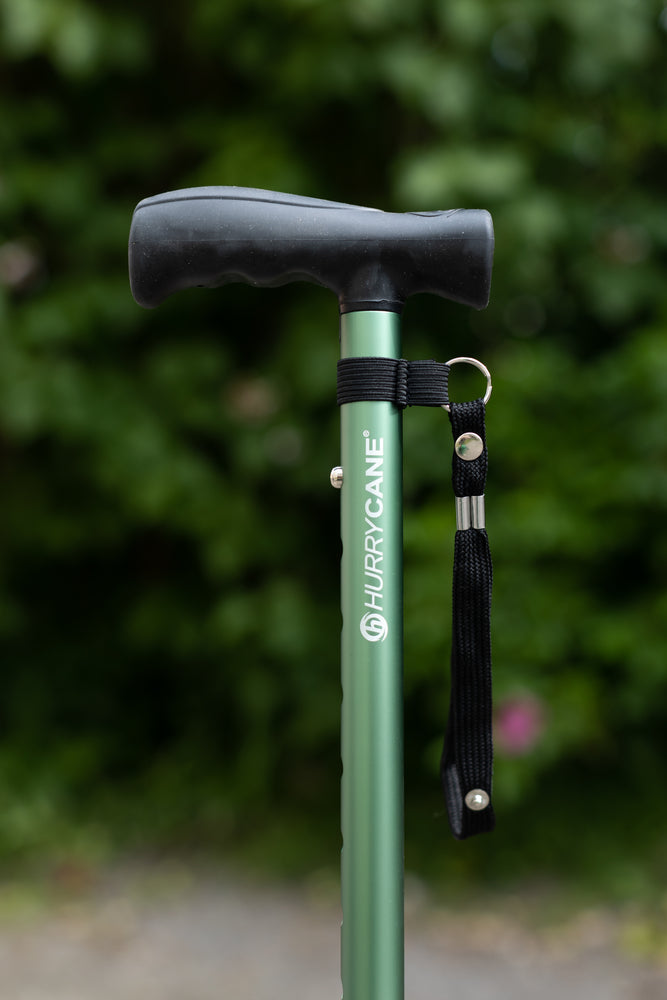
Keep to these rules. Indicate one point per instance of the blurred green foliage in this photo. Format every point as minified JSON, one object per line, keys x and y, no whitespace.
{"x":169,"y":542}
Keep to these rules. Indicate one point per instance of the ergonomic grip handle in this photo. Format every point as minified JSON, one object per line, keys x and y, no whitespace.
{"x":211,"y":236}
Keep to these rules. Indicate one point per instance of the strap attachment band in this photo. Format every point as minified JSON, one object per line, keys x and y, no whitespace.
{"x":395,"y":380}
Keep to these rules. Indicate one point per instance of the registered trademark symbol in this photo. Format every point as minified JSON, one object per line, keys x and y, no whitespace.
{"x":367,"y":434}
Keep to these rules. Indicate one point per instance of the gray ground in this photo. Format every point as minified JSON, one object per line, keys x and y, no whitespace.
{"x":150,"y":935}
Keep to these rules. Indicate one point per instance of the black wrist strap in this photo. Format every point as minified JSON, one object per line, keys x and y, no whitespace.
{"x":466,"y":767}
{"x":467,"y":758}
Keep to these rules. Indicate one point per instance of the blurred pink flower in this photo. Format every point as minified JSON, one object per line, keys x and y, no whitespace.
{"x":519,"y":724}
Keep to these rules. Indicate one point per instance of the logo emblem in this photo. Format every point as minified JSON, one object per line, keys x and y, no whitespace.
{"x":373,"y":627}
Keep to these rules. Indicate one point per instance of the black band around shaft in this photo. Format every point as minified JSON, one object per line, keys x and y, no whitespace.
{"x":405,"y":383}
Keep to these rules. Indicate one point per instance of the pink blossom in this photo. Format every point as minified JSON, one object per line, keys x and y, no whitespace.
{"x":519,"y":724}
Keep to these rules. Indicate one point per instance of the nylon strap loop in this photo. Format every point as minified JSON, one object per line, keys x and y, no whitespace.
{"x":466,"y":767}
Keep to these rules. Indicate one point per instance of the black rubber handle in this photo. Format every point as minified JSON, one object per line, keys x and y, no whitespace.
{"x":211,"y":236}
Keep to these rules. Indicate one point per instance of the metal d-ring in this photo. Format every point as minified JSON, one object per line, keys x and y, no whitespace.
{"x":484,"y":370}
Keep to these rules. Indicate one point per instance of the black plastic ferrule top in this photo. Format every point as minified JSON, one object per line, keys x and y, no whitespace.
{"x":212,"y":236}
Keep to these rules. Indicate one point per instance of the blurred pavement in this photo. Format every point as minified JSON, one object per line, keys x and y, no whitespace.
{"x":146,"y":936}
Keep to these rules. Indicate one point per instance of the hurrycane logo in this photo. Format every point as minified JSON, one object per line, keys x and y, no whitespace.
{"x":373,"y":627}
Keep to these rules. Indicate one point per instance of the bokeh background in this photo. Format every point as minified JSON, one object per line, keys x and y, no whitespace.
{"x":169,"y":557}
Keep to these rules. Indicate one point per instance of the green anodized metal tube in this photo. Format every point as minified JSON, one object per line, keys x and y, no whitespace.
{"x":372,"y":677}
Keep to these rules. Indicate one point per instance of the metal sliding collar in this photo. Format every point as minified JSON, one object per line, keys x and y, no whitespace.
{"x":470,"y":513}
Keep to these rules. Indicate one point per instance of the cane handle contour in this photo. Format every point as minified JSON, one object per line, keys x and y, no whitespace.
{"x":372,"y":260}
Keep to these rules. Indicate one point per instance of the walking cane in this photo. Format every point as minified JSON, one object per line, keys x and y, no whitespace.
{"x":373,"y":261}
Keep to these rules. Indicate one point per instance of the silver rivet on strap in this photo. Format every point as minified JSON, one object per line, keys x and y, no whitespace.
{"x":477,"y":800}
{"x":469,"y":446}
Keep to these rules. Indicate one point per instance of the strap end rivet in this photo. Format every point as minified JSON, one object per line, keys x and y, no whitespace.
{"x":477,"y":800}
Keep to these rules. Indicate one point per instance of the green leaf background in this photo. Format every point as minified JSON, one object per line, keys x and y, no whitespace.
{"x":168,"y":539}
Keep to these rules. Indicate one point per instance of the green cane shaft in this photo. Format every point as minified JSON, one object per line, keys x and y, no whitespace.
{"x":372,"y":672}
